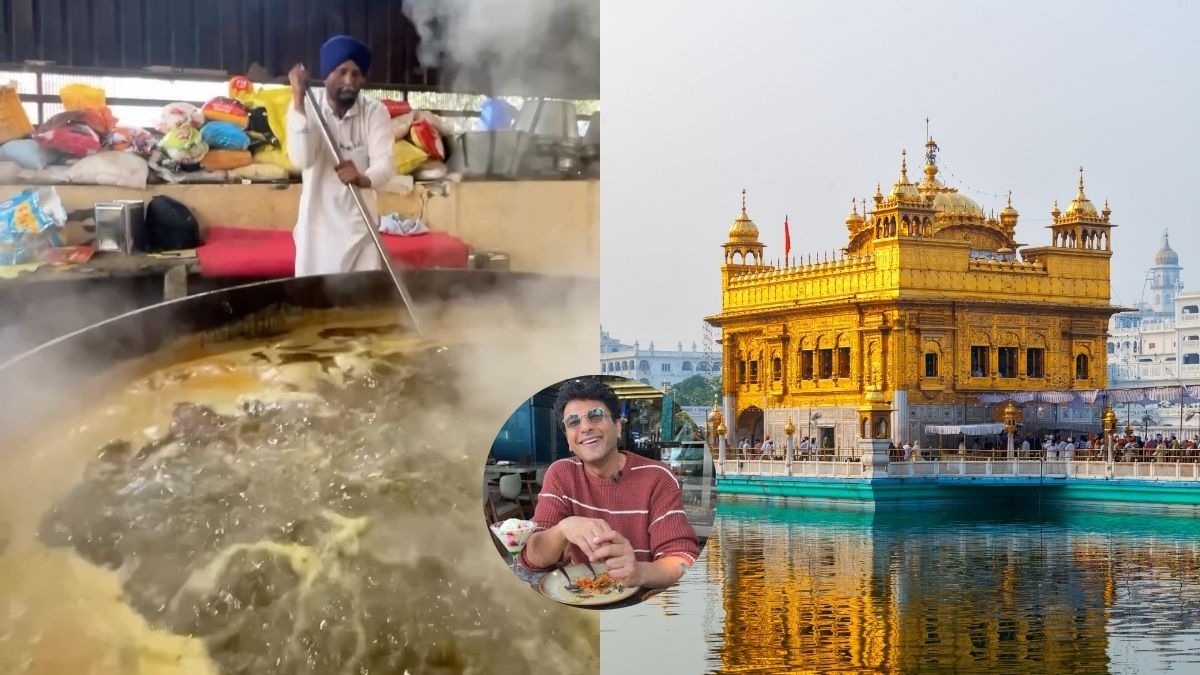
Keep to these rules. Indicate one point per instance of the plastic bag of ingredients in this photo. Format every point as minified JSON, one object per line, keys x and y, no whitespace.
{"x":99,"y":120}
{"x":224,"y":160}
{"x":132,"y":139}
{"x":224,"y":136}
{"x":408,"y":157}
{"x":77,"y":140}
{"x":77,"y":96}
{"x":425,"y":136}
{"x":401,"y":125}
{"x":240,"y":86}
{"x":28,"y":222}
{"x":431,"y":170}
{"x":258,"y":130}
{"x":259,"y":172}
{"x":224,"y":109}
{"x":28,"y":153}
{"x":276,"y":101}
{"x":14,"y":123}
{"x":184,"y":145}
{"x":396,"y":108}
{"x":179,"y":114}
{"x":123,"y":169}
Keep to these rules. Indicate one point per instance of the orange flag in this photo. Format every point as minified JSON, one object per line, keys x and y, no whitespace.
{"x":787,"y":239}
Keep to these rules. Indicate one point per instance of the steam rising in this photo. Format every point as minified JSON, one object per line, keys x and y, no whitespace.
{"x":516,"y":47}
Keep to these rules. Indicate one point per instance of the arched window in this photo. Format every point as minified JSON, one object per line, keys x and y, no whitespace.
{"x":1081,"y":367}
{"x":644,"y":366}
{"x":776,"y":369}
{"x":931,"y":364}
{"x":687,"y":367}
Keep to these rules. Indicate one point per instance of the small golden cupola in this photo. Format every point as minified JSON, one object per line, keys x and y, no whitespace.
{"x":1081,"y":226}
{"x":854,"y":221}
{"x":743,"y":229}
{"x":1008,"y":216}
{"x":743,"y":241}
{"x":1081,"y":206}
{"x":904,"y":190}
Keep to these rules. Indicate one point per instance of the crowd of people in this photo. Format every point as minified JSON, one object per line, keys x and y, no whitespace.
{"x":1126,"y":448}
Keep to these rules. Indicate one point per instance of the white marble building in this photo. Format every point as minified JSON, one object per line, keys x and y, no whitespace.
{"x":1158,"y":344}
{"x":655,"y":366}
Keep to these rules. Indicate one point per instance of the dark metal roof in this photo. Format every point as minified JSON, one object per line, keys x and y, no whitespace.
{"x":232,"y":35}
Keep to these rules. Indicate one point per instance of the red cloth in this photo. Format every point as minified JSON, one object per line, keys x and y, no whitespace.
{"x":259,"y":253}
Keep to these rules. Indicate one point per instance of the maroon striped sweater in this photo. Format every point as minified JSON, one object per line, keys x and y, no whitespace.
{"x":645,"y":505}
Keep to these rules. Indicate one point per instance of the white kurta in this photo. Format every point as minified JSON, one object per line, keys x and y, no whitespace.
{"x":330,"y":235}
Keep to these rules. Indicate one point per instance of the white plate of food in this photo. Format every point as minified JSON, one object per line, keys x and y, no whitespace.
{"x":601,"y":589}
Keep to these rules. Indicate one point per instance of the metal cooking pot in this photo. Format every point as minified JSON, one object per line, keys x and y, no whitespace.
{"x":61,"y":367}
{"x":548,"y":118}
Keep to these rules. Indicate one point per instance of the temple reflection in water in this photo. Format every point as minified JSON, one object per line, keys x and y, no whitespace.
{"x":903,"y":592}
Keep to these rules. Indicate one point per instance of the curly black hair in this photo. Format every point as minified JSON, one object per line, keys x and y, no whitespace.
{"x":585,"y":389}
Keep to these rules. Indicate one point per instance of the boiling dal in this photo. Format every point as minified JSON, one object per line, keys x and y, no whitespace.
{"x":303,"y":504}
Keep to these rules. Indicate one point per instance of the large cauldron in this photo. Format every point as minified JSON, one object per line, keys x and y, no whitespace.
{"x":325,"y":556}
{"x":74,"y":358}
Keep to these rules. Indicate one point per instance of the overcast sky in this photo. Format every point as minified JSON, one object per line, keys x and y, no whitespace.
{"x":808,"y":104}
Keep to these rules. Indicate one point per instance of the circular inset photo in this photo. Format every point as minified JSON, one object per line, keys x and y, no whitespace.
{"x":598,"y":492}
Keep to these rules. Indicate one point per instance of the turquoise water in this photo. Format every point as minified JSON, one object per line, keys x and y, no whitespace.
{"x":1064,"y":588}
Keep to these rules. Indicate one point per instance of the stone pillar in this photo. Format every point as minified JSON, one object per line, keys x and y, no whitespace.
{"x":789,"y":429}
{"x":730,"y":413}
{"x":874,"y":452}
{"x":721,"y":445}
{"x":874,"y":434}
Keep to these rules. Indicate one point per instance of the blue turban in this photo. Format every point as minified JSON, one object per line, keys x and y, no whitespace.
{"x":340,"y":49}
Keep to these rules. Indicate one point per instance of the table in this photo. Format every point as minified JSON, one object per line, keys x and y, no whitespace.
{"x":108,"y":265}
{"x":494,"y":471}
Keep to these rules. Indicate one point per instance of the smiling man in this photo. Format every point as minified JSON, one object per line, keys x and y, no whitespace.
{"x":606,"y":505}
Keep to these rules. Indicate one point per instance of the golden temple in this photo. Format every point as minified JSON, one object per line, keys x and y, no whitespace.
{"x":932,"y":302}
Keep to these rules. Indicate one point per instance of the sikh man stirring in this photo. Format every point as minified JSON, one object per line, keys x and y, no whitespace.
{"x":330,"y":236}
{"x":605,"y":505}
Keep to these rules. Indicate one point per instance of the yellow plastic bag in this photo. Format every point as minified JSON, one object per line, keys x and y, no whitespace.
{"x":80,"y":96}
{"x":408,"y":157}
{"x":14,"y":123}
{"x":276,"y":101}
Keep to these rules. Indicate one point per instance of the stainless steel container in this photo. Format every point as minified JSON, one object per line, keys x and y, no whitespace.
{"x":549,"y":118}
{"x":494,"y":154}
{"x":488,"y":260}
{"x":121,"y":226}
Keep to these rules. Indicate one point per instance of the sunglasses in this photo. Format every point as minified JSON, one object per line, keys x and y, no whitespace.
{"x":595,"y":415}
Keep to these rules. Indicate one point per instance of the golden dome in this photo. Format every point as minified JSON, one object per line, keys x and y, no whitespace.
{"x":1008,"y":211}
{"x":1081,"y":205}
{"x":855,"y":220}
{"x":951,"y":203}
{"x":903,"y":188}
{"x":743,"y":229}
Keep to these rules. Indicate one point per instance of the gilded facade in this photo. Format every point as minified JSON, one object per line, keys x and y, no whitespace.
{"x":932,"y":302}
